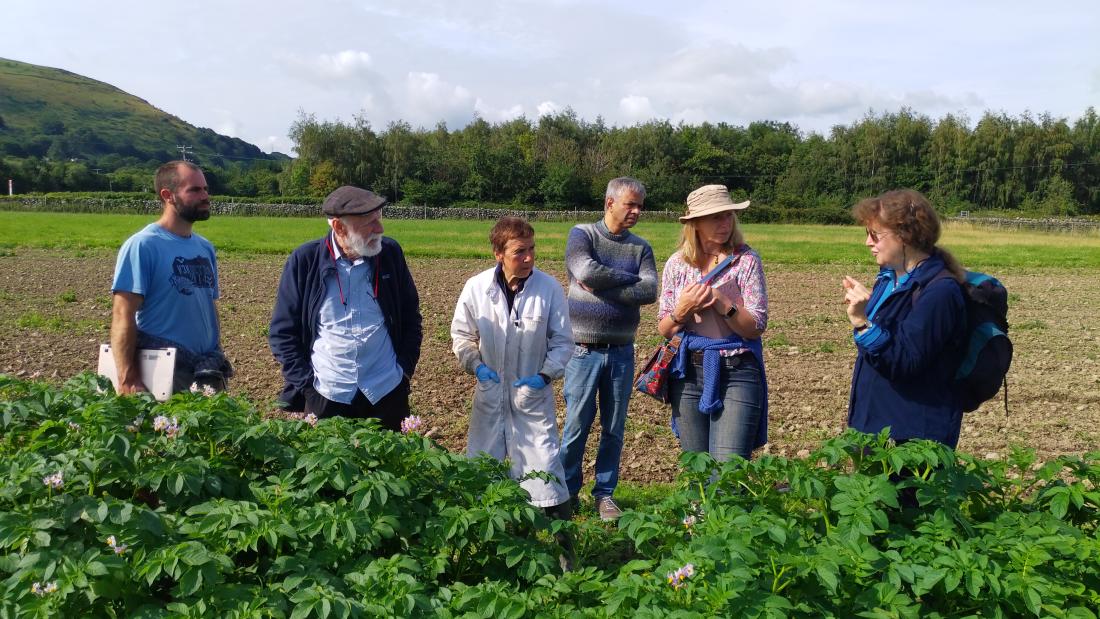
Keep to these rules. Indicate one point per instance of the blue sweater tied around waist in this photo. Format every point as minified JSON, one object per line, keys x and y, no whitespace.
{"x":710,"y":400}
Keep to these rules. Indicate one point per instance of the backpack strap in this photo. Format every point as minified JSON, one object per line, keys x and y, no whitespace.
{"x":943,"y":274}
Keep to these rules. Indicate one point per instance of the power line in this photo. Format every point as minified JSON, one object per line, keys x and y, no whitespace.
{"x":1081,"y":164}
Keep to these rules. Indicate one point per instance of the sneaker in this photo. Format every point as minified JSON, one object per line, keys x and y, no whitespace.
{"x":607,"y":508}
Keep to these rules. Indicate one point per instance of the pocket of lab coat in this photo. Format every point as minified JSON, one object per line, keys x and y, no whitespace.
{"x":529,"y":399}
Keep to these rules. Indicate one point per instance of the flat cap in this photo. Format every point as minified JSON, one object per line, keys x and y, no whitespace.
{"x":348,"y":200}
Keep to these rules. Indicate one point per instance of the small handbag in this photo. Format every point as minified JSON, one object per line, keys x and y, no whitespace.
{"x":652,"y":380}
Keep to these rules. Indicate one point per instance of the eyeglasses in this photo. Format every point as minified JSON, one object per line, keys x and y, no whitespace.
{"x":876,"y":235}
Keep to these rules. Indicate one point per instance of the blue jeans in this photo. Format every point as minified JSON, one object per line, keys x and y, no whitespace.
{"x":731,"y":430}
{"x":608,"y":373}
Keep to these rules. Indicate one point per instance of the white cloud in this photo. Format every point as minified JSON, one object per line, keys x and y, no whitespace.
{"x":636,"y":108}
{"x":826,"y":97}
{"x":344,"y":65}
{"x":691,"y":116}
{"x":711,"y":81}
{"x":547,"y":108}
{"x":348,"y":65}
{"x":492,"y":114}
{"x":429,"y":99}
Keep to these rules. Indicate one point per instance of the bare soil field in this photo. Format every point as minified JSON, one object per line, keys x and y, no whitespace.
{"x":55,"y":310}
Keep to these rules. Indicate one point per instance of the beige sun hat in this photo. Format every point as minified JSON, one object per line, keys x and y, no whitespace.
{"x":711,"y":199}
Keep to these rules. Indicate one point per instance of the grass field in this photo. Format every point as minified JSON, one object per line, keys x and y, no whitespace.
{"x":984,"y":249}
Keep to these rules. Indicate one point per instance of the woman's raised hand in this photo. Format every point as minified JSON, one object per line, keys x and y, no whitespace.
{"x":856,"y":296}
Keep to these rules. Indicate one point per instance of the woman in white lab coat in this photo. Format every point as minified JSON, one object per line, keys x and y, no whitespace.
{"x":511,"y":329}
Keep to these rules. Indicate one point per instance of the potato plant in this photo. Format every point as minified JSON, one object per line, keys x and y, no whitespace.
{"x":198,"y":507}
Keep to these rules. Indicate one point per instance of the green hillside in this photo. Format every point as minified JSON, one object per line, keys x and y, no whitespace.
{"x":52,"y":113}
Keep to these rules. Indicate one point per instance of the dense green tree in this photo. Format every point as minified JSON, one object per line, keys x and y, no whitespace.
{"x":1037,"y":164}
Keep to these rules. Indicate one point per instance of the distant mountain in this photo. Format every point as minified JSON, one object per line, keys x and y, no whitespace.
{"x":52,"y":113}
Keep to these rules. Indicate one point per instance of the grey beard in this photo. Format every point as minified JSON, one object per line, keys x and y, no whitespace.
{"x":364,"y":246}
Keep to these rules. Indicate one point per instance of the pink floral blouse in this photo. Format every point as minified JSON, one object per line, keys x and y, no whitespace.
{"x":742,"y":281}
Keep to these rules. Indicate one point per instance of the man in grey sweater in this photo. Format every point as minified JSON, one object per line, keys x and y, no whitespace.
{"x":612,"y":273}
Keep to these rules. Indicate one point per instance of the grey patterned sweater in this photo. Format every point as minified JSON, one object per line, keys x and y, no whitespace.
{"x":621,"y":276}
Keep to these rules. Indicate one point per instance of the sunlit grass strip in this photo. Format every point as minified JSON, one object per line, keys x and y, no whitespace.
{"x":980,"y":248}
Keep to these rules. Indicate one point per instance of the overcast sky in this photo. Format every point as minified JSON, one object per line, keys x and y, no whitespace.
{"x":246,"y":68}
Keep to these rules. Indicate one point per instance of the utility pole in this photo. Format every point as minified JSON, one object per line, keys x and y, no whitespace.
{"x":110,"y":183}
{"x":184,"y":150}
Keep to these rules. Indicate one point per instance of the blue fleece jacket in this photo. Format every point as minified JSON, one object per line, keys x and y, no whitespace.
{"x":906,"y":362}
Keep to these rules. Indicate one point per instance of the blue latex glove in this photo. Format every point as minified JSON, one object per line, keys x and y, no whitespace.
{"x":534,"y":382}
{"x":486,"y":373}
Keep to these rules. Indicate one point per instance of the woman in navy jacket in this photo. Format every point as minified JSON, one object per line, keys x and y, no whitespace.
{"x":910,"y":328}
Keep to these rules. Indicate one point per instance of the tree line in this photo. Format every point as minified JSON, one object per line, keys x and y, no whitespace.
{"x":1038,"y":164}
{"x":1034,"y":164}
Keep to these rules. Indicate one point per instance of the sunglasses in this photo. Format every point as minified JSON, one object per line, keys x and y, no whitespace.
{"x":876,"y":235}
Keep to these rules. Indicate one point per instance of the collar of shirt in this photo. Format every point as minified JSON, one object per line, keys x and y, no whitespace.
{"x":893,"y":282}
{"x":503,"y":283}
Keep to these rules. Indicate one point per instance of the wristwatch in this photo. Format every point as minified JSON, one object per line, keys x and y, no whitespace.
{"x":731,"y":311}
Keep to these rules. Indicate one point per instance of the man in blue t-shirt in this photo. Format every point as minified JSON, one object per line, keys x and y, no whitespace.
{"x":165,"y":284}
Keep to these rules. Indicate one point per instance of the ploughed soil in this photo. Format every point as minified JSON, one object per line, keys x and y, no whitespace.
{"x":55,"y":310}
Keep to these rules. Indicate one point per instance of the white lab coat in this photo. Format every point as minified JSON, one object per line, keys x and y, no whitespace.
{"x":509,"y":422}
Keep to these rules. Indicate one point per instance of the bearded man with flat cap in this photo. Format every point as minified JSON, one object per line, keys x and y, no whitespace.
{"x":346,"y":325}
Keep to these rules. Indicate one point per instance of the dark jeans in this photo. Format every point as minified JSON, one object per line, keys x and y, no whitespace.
{"x":390,"y":410}
{"x":731,"y":430}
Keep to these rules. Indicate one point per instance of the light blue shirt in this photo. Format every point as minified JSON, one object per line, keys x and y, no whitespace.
{"x":874,"y":332}
{"x":178,"y":279}
{"x":353,"y":350}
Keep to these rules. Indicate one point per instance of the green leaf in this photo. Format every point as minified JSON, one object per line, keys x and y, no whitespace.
{"x":827,"y":573}
{"x":1059,"y":503}
{"x":778,"y":534}
{"x":301,"y":611}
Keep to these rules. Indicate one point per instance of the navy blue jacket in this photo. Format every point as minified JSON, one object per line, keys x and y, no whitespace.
{"x":905,"y":367}
{"x":293,"y":326}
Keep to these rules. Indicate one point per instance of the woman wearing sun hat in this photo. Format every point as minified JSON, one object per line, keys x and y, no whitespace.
{"x":714,"y":294}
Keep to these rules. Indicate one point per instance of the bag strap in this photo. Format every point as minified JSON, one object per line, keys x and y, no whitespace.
{"x":721,"y":266}
{"x":674,"y":343}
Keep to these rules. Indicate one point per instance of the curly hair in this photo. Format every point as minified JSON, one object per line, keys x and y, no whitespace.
{"x":910,"y":216}
{"x":508,"y":228}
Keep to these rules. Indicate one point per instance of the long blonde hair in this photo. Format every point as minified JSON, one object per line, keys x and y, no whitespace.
{"x":692,"y":250}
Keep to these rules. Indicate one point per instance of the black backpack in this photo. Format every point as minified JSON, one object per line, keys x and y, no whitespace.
{"x":988,"y":351}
